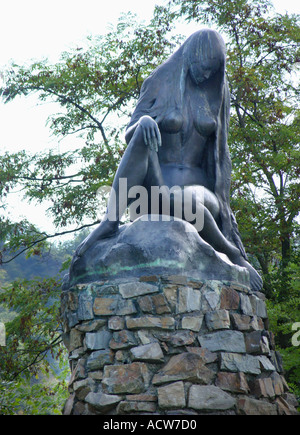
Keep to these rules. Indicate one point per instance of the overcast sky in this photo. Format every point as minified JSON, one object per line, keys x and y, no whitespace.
{"x":36,"y":29}
{"x":39,"y":28}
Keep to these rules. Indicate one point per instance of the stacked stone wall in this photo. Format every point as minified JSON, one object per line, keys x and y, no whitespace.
{"x":171,"y":346}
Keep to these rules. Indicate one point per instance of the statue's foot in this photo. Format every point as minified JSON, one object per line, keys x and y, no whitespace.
{"x":255,"y":280}
{"x":104,"y":230}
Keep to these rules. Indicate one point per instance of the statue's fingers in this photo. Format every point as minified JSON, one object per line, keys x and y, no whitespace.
{"x":154,"y":139}
{"x":149,"y":139}
{"x":158,"y":136}
{"x":145,"y":137}
{"x":151,"y":143}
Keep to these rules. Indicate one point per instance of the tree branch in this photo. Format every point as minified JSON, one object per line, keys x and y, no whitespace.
{"x":41,"y":354}
{"x":46,"y":237}
{"x":64,"y":98}
{"x":61,"y":177}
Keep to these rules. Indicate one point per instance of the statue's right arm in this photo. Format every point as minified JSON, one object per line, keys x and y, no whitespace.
{"x":151,"y":133}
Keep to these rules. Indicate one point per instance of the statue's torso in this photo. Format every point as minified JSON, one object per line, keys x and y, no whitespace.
{"x":188,"y":136}
{"x":184,"y":154}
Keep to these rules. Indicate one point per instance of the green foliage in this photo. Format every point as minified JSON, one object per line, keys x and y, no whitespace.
{"x":33,"y":365}
{"x":282,"y":315}
{"x":33,"y":350}
{"x":36,"y":307}
{"x":25,"y":398}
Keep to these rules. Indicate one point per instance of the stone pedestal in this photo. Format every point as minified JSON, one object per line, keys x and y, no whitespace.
{"x":171,"y":345}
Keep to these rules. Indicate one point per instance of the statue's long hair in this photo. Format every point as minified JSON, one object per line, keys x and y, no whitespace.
{"x":165,"y":88}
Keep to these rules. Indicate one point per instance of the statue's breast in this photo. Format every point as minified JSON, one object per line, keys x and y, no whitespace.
{"x":172,"y":122}
{"x":205,"y":125}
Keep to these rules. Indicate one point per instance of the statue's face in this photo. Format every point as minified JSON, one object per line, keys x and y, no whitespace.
{"x":202,"y":70}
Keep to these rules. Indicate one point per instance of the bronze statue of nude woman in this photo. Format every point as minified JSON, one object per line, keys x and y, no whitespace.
{"x":177,"y":136}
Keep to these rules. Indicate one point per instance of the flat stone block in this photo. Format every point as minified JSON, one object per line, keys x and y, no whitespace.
{"x":125,"y":308}
{"x":116,"y":323}
{"x":127,"y":407}
{"x":211,"y":297}
{"x":82,"y":388}
{"x":230,"y":299}
{"x":184,"y":367}
{"x":246,"y":305}
{"x":146,"y":305}
{"x":102,"y":402}
{"x":233,"y":382}
{"x":134,"y":289}
{"x":149,"y":352}
{"x":179,"y":338}
{"x":171,"y":396}
{"x":266,"y":364}
{"x":256,"y":343}
{"x":167,"y":323}
{"x":207,"y":356}
{"x":234,"y":362}
{"x":126,"y":378}
{"x":249,"y":406}
{"x":91,"y":326}
{"x":142,"y":398}
{"x":262,"y":388}
{"x":277,"y":384}
{"x":176,"y":279}
{"x":170,"y":293}
{"x":72,"y":301}
{"x":146,"y":337}
{"x":210,"y":398}
{"x":218,"y":319}
{"x":241,"y":321}
{"x":97,"y":360}
{"x":156,"y":304}
{"x":160,"y":304}
{"x":192,"y":323}
{"x":85,"y":307}
{"x":227,"y":341}
{"x":188,"y":300}
{"x":105,"y":306}
{"x":123,"y":340}
{"x":75,"y":340}
{"x":97,"y":340}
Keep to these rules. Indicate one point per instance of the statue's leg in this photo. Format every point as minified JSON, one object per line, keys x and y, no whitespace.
{"x":136,"y":162}
{"x":208,"y":211}
{"x":212,"y":235}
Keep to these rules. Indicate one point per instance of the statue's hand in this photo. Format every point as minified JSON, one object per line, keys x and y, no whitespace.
{"x":151,"y":133}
